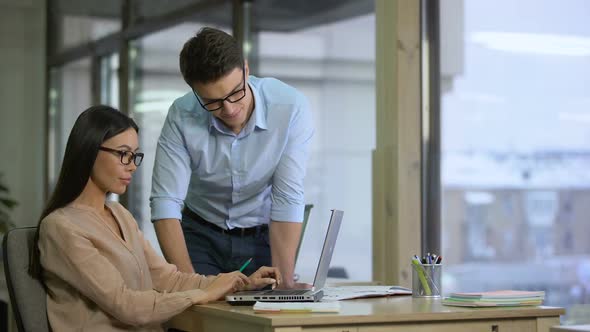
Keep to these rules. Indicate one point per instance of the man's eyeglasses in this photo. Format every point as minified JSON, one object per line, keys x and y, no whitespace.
{"x":217,"y":104}
{"x":126,"y":156}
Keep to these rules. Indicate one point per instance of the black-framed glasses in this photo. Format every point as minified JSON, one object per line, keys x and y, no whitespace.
{"x":234,"y":97}
{"x":126,"y":156}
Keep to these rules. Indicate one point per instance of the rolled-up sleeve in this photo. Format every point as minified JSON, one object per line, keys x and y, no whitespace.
{"x":287,"y":195}
{"x":172,"y":171}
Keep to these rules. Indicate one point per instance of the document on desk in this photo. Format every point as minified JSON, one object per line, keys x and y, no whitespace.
{"x":296,"y":307}
{"x":356,"y":292}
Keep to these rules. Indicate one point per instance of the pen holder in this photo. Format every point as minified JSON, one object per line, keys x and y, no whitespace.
{"x":426,"y":280}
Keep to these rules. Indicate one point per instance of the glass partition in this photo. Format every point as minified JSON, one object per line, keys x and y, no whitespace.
{"x":338,"y":80}
{"x":156,"y":83}
{"x":81,"y":22}
{"x":331,"y":63}
{"x":69,"y":95}
{"x":334,"y":66}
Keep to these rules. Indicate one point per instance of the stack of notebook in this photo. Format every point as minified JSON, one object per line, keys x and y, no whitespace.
{"x":504,"y":298}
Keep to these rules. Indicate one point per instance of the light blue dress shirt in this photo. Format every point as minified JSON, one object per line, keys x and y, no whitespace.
{"x":235,"y":180}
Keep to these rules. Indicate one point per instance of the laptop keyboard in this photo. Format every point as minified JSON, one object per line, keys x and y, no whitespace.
{"x":287,"y":292}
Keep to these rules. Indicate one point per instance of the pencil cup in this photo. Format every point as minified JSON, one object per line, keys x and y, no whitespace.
{"x":426,"y":280}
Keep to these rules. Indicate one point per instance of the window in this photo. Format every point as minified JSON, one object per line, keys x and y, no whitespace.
{"x":515,"y":156}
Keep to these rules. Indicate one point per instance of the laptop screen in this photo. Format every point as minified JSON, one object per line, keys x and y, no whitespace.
{"x":327,"y":249}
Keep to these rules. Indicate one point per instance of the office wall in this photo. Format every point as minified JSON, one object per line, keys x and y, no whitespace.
{"x":22,"y":113}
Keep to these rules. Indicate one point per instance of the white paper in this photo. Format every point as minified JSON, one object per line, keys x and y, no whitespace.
{"x":354,"y":292}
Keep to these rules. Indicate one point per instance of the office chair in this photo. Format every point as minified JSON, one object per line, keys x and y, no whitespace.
{"x":27,"y":294}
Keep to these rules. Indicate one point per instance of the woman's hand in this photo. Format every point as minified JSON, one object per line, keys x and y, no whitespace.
{"x":265,"y":276}
{"x":224,"y":284}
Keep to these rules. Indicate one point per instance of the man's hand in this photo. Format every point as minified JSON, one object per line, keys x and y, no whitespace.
{"x":284,"y":239}
{"x":265,"y":276}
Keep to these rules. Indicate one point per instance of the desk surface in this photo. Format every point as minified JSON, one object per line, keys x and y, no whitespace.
{"x":395,"y":309}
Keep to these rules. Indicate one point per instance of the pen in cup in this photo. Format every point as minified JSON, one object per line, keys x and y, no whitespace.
{"x":426,"y":275}
{"x":430,"y":278}
{"x":422,"y":276}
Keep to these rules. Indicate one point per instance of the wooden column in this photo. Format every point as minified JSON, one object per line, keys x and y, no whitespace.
{"x":396,"y":159}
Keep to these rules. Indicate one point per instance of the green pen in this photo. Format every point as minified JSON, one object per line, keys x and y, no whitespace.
{"x":245,"y":264}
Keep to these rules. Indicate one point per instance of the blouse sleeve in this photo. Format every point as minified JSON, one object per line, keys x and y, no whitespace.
{"x":70,"y":255}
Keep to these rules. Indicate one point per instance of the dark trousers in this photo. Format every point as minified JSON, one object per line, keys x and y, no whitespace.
{"x":213,"y":250}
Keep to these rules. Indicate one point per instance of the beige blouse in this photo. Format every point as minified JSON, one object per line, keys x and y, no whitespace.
{"x":97,"y":281}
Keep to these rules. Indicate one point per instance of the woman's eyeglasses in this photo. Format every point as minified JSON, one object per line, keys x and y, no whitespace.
{"x":126,"y":156}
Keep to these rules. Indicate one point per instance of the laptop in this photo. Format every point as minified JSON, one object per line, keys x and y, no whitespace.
{"x":314,"y":294}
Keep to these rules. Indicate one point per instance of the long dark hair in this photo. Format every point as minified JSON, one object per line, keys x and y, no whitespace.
{"x":93,"y":126}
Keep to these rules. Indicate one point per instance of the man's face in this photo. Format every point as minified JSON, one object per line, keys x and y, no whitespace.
{"x":228,"y":98}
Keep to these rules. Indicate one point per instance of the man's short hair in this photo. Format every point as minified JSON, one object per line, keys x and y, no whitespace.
{"x":209,"y":55}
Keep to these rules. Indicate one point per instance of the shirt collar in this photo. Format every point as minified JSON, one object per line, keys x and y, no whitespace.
{"x":213,"y":122}
{"x":260,"y":110}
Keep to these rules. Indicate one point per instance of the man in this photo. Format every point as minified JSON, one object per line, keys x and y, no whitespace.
{"x":230,"y":165}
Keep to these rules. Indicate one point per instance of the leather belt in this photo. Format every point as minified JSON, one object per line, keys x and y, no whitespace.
{"x":234,"y":231}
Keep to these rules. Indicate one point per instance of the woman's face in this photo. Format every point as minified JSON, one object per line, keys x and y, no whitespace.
{"x":109,"y":174}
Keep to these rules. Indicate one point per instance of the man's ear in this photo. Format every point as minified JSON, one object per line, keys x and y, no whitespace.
{"x":246,"y":68}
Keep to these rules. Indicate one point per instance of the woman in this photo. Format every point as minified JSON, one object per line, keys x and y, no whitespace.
{"x":99,"y":271}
